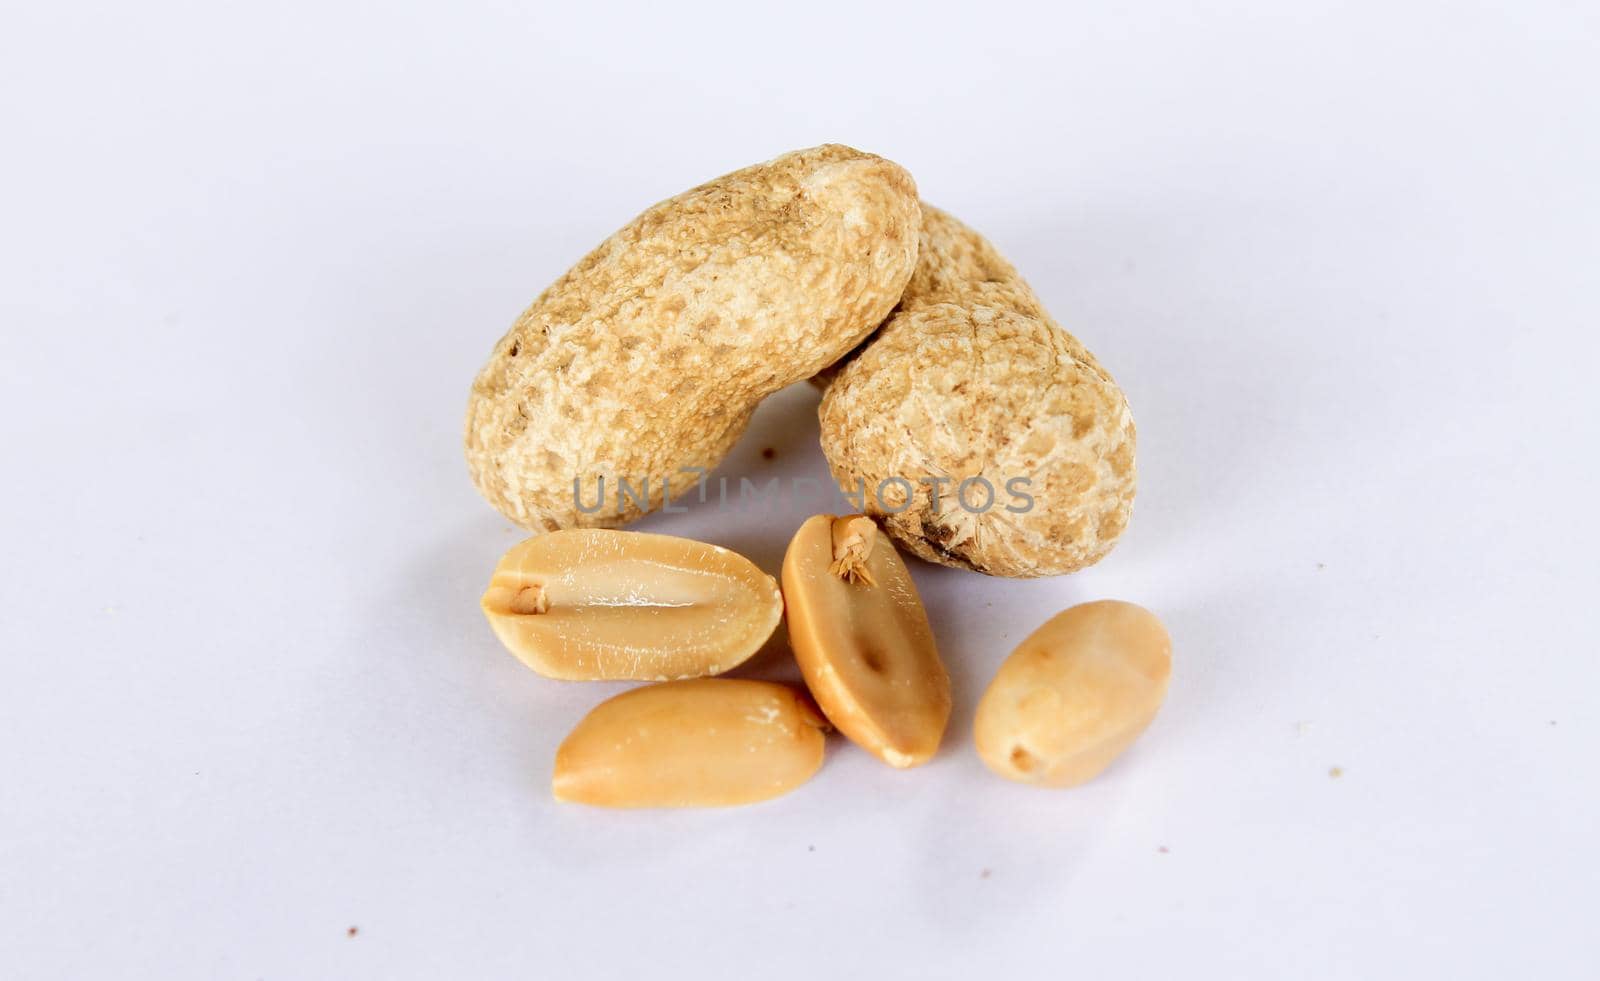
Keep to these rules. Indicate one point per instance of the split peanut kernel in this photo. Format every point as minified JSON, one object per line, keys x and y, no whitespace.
{"x":709,"y":742}
{"x":588,"y":605}
{"x":862,"y":640}
{"x":1075,"y":694}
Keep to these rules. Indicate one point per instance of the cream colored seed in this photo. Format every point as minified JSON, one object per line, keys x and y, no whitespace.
{"x":862,"y":640}
{"x":1075,"y":694}
{"x":709,"y":742}
{"x":588,"y":605}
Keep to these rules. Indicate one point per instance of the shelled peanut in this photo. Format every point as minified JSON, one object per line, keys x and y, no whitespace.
{"x":593,"y":605}
{"x":1075,"y":694}
{"x":709,"y":742}
{"x":862,"y":639}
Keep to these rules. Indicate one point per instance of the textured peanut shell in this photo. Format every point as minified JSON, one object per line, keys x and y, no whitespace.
{"x":862,"y":639}
{"x":1075,"y":694}
{"x":591,"y":604}
{"x":971,"y":378}
{"x":711,"y":742}
{"x":649,"y":355}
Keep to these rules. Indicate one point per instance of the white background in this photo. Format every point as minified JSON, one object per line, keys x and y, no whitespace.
{"x":1342,"y":257}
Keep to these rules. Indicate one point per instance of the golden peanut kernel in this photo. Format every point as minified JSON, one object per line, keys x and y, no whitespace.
{"x":1075,"y":694}
{"x":709,"y":742}
{"x":862,"y":639}
{"x":589,"y":605}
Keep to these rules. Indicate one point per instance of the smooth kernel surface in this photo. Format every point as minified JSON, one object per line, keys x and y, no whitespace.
{"x":709,"y":742}
{"x":1075,"y":694}
{"x":862,"y":640}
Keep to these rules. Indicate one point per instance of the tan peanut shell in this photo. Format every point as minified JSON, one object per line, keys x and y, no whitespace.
{"x":592,"y":604}
{"x":862,"y":640}
{"x":647,"y":357}
{"x":1075,"y":694}
{"x":710,"y":742}
{"x":970,"y":380}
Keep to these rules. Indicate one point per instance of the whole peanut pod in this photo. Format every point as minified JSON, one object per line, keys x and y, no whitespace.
{"x":640,"y":367}
{"x":979,"y":433}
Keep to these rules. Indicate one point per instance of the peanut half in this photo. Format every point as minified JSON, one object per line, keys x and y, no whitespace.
{"x":862,"y":639}
{"x":1075,"y":694}
{"x":710,"y":742}
{"x":591,"y":605}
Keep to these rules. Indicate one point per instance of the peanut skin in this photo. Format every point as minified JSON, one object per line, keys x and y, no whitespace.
{"x":971,"y":380}
{"x":648,"y":356}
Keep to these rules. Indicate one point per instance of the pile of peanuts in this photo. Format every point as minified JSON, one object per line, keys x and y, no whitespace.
{"x":940,"y":370}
